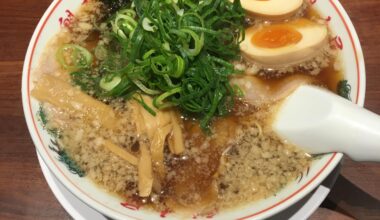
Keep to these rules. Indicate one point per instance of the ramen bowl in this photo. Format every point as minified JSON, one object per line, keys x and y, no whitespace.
{"x":61,"y":12}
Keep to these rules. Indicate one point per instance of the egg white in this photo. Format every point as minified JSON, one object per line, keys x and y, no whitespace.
{"x":273,"y":9}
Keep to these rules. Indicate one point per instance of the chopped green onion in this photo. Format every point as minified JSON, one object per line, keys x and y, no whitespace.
{"x":179,"y":67}
{"x":140,"y":100}
{"x":109,"y":85}
{"x":148,"y":25}
{"x":178,"y":52}
{"x":169,"y":81}
{"x":73,"y":57}
{"x":148,"y":54}
{"x":166,"y":46}
{"x":161,"y":65}
{"x":198,"y":43}
{"x":180,"y":12}
{"x":143,"y":88}
{"x":159,"y":103}
{"x":205,"y":121}
{"x":124,"y":24}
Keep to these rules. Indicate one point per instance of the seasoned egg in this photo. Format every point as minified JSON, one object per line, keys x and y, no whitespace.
{"x":284,"y":44}
{"x":272,"y":9}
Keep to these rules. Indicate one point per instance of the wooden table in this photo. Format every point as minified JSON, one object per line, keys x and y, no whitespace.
{"x":24,"y":193}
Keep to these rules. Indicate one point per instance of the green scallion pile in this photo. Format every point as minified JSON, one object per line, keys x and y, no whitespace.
{"x":177,"y":51}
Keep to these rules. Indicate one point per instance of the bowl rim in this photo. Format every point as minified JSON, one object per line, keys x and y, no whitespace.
{"x":331,"y":163}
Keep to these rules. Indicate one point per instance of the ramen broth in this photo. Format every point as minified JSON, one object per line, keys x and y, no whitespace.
{"x":241,"y":160}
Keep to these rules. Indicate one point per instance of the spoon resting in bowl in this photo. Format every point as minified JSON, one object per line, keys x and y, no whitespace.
{"x":319,"y":121}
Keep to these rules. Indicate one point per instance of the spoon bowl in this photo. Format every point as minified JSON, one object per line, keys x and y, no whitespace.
{"x":321,"y":122}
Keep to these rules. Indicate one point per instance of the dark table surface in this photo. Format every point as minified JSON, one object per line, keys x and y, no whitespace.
{"x":24,"y":193}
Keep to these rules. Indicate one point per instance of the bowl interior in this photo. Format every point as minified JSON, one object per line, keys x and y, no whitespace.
{"x":60,"y":11}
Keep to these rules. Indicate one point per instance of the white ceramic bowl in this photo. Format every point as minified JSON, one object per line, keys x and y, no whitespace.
{"x":84,"y":189}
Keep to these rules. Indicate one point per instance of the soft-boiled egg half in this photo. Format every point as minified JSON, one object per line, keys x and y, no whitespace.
{"x":284,"y":44}
{"x":272,"y":9}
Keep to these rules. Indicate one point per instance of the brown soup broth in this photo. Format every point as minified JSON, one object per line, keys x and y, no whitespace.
{"x":192,"y":177}
{"x":240,"y":162}
{"x":328,"y":78}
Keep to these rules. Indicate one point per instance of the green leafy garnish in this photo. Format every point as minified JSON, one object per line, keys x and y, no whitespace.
{"x":177,"y":51}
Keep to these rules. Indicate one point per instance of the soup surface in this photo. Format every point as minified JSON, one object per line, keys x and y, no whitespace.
{"x":166,"y":157}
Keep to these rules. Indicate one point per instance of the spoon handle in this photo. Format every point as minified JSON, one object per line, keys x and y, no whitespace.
{"x":322,"y":122}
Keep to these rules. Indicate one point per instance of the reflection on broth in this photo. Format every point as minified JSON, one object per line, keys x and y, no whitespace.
{"x":176,"y":128}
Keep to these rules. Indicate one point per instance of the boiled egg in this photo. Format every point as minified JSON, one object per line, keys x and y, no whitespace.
{"x":284,"y":44}
{"x":272,"y":9}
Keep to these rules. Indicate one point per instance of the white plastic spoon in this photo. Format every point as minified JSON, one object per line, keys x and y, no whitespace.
{"x":321,"y":122}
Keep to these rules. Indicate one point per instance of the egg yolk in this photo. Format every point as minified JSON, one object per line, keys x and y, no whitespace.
{"x":276,"y":36}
